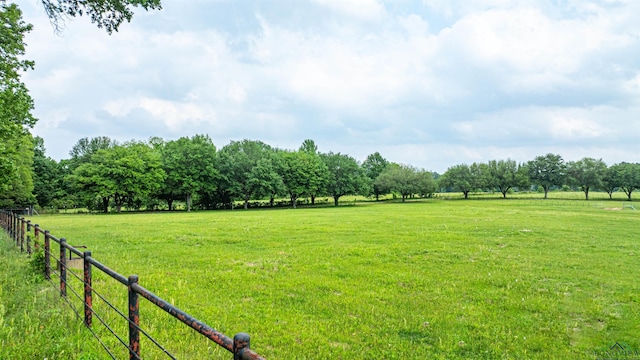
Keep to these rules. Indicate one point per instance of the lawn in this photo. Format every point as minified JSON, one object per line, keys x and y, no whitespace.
{"x":428,"y":279}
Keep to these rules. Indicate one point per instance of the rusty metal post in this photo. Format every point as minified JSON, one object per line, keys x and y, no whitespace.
{"x":88,"y":296}
{"x":29,"y":237}
{"x":63,"y":267}
{"x":134,"y":319}
{"x":36,"y":241}
{"x":23,"y":226}
{"x":47,"y":255}
{"x":241,"y":342}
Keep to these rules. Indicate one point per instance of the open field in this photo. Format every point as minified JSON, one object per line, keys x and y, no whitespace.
{"x":430,"y":279}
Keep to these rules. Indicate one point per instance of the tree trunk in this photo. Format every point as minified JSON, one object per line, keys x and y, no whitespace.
{"x":246,"y":202}
{"x":377,"y":197}
{"x":586,"y":193}
{"x":293,"y":200}
{"x":546,"y":191}
{"x":335,"y":199}
{"x":188,"y":202}
{"x":170,"y":203}
{"x":610,"y":195}
{"x":105,"y":204}
{"x":271,"y":200}
{"x":466,"y":194}
{"x":313,"y":199}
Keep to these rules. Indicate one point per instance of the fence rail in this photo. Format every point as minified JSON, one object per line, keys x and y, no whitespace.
{"x":20,"y":232}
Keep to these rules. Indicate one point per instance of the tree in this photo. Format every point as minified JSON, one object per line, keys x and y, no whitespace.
{"x":586,"y":173}
{"x":458,"y":178}
{"x":609,"y":182}
{"x":373,"y":166}
{"x":123,"y":172}
{"x":82,"y":150}
{"x":309,"y":146}
{"x":627,"y":176}
{"x":303,"y":174}
{"x":406,"y":180}
{"x":16,"y":147}
{"x":547,"y":171}
{"x":190,"y":167}
{"x":107,"y":14}
{"x":247,"y":170}
{"x":505,"y":175}
{"x":47,"y":176}
{"x":346,"y":177}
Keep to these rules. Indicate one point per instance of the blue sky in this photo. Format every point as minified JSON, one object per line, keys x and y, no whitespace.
{"x":430,"y":83}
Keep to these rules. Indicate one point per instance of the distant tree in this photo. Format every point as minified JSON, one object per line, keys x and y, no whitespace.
{"x":458,"y":178}
{"x":107,"y":14}
{"x":404,"y":179}
{"x":480,"y":175}
{"x":586,"y":173}
{"x":82,"y":150}
{"x":373,"y":166}
{"x":303,"y":174}
{"x":309,"y":146}
{"x":122,"y":172}
{"x":247,"y":170}
{"x":426,"y":183}
{"x":190,"y":167}
{"x":18,"y":182}
{"x":627,"y":176}
{"x":346,"y":177}
{"x":547,"y":171}
{"x":47,"y":176}
{"x":609,"y":182}
{"x":506,"y":174}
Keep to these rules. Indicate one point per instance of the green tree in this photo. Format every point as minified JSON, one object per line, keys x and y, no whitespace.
{"x":107,"y":14}
{"x":123,"y":172}
{"x":346,"y":177}
{"x":190,"y":167}
{"x":458,"y":178}
{"x":247,"y":170}
{"x":16,"y":148}
{"x":303,"y":174}
{"x":505,"y":175}
{"x":609,"y":182}
{"x":47,"y":176}
{"x":547,"y":171}
{"x":627,"y":177}
{"x":373,"y":166}
{"x":405,"y":180}
{"x":586,"y":173}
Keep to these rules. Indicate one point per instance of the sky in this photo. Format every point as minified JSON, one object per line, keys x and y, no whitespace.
{"x":431,"y":83}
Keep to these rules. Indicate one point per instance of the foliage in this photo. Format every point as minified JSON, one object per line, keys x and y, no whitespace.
{"x":346,"y":177}
{"x":627,"y":177}
{"x":405,"y":180}
{"x":505,"y":175}
{"x":373,"y":166}
{"x":15,"y":111}
{"x":547,"y":171}
{"x":458,"y":178}
{"x":303,"y":174}
{"x":190,"y":168}
{"x":248,"y":170}
{"x":107,"y":14}
{"x":122,"y":172}
{"x":586,"y":173}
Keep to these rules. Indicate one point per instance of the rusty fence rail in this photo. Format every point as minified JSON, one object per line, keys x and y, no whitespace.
{"x":27,"y":237}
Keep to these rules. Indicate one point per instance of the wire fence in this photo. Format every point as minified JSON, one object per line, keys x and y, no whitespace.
{"x":117,"y":332}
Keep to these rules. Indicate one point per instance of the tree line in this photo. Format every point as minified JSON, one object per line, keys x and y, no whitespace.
{"x":102,"y":174}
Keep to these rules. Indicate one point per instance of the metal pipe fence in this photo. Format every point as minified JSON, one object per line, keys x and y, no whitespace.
{"x":21,"y":231}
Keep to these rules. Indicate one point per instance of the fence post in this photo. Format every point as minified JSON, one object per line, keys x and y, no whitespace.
{"x":134,"y":320}
{"x":88,"y":297}
{"x":36,"y":232}
{"x":63,"y":267}
{"x":22,"y":232}
{"x":47,"y":255}
{"x":241,"y":342}
{"x":29,"y":237}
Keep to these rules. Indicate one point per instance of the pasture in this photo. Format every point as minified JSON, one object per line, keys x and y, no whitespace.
{"x":436,"y":279}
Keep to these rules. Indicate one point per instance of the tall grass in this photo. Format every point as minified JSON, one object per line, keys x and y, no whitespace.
{"x":430,"y":279}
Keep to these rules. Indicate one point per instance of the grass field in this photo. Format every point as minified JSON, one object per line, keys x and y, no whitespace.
{"x":430,"y":279}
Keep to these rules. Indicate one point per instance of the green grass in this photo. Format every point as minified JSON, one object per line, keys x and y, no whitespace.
{"x":34,"y":322}
{"x":429,"y":279}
